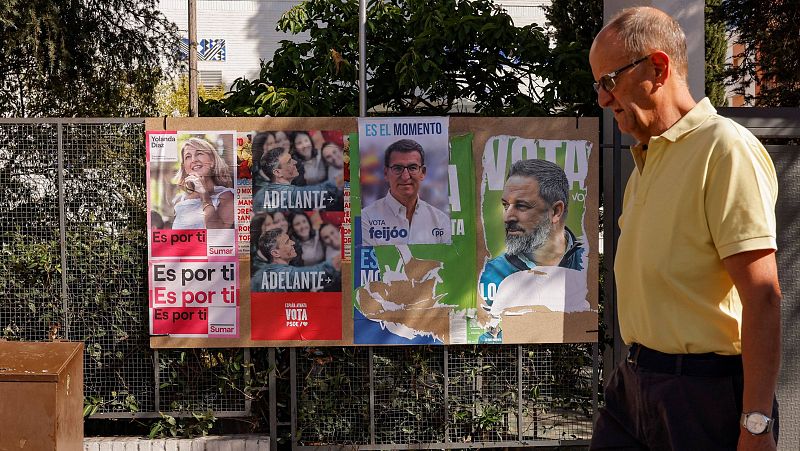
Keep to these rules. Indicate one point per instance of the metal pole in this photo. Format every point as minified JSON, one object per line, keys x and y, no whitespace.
{"x":157,"y":381}
{"x":62,"y":220}
{"x":273,"y":400}
{"x":520,"y":391}
{"x":446,"y":395}
{"x":595,"y":379}
{"x":371,"y":398}
{"x":612,"y":322}
{"x":248,"y":400}
{"x":293,"y":395}
{"x":193,"y":58}
{"x":362,"y":58}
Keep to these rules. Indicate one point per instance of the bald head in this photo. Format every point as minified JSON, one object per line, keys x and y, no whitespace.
{"x":641,"y":30}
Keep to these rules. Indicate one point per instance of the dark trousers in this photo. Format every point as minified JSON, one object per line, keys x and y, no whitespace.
{"x":656,"y":401}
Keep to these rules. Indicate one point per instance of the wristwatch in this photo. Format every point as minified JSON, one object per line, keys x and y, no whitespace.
{"x":756,"y":423}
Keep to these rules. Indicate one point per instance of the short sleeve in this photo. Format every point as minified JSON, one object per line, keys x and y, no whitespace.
{"x":740,"y":195}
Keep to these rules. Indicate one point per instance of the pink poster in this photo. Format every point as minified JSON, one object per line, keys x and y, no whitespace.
{"x":192,"y":233}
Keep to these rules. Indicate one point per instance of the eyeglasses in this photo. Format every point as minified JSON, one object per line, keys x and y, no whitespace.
{"x":413,"y":169}
{"x":609,"y":80}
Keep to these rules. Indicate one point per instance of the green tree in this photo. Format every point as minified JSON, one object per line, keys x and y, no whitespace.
{"x":83,"y":57}
{"x":716,"y":44}
{"x":172,"y":96}
{"x":573,"y":26}
{"x":771,"y":56}
{"x":422,"y":58}
{"x":575,"y":21}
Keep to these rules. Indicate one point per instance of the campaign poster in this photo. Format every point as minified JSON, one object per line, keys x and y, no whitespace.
{"x":418,"y":293}
{"x":244,"y":192}
{"x":193,"y":264}
{"x":296,"y":231}
{"x":532,"y":208}
{"x":404,"y":181}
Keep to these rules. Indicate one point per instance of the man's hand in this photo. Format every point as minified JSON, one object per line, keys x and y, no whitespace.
{"x":750,"y":442}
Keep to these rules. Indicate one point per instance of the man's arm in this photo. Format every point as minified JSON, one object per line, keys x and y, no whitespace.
{"x":755,"y":275}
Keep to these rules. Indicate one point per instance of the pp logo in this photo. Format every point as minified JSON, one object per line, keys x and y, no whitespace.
{"x":437,"y":232}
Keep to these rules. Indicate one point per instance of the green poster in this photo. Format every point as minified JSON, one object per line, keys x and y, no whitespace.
{"x":417,"y":293}
{"x":532,"y":207}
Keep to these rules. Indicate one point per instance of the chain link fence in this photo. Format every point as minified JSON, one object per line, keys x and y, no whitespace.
{"x":73,"y":266}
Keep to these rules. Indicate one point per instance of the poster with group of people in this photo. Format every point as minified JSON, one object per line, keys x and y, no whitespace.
{"x":443,"y":237}
{"x":298,"y":186}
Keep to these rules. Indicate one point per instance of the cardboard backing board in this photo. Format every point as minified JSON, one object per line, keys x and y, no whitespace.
{"x":552,"y":327}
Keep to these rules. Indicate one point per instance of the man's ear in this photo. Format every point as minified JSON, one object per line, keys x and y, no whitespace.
{"x":558,"y":211}
{"x":662,"y":66}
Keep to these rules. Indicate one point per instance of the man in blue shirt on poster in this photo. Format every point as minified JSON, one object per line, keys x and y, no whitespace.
{"x":535,"y":199}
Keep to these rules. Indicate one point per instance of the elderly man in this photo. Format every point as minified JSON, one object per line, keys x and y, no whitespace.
{"x":274,"y":189}
{"x":698,"y":293}
{"x":535,"y":199}
{"x":401,"y":217}
{"x":273,"y":273}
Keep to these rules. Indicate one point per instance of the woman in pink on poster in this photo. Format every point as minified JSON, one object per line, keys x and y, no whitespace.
{"x":207,"y":198}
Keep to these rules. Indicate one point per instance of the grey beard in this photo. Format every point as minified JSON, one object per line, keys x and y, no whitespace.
{"x":528,"y":243}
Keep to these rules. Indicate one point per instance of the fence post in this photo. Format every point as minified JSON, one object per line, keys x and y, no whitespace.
{"x":273,"y":400}
{"x":519,"y":392}
{"x":293,"y":394}
{"x":446,"y":395}
{"x":371,"y":398}
{"x":62,"y":225}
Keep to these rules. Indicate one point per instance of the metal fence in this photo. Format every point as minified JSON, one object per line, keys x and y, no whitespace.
{"x":73,"y":266}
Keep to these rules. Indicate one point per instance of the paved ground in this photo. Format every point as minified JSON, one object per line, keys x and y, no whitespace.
{"x":215,"y":443}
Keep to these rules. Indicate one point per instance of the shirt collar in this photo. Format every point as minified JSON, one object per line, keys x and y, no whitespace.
{"x":690,"y":121}
{"x":395,"y":205}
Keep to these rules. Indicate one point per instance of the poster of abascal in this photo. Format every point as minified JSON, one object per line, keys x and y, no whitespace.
{"x":193,"y":263}
{"x":532,"y":207}
{"x":296,"y":234}
{"x":404,"y":192}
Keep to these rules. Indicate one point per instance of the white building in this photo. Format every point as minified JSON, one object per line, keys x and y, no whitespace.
{"x":234,"y":35}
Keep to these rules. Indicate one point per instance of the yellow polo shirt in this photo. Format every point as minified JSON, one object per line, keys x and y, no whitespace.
{"x":703,"y":190}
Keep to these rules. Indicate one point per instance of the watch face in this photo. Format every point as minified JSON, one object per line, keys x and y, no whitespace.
{"x":756,"y":423}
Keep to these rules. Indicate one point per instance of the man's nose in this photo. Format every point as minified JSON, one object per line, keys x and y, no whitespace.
{"x":604,"y":98}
